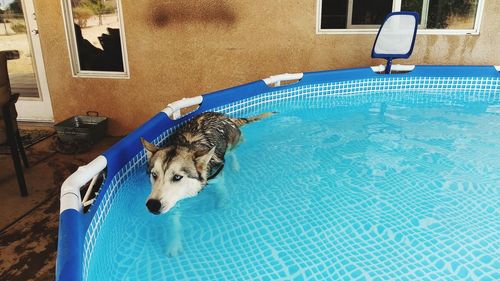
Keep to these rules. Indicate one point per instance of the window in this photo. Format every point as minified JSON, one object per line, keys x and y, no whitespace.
{"x":365,"y":16}
{"x":96,"y":40}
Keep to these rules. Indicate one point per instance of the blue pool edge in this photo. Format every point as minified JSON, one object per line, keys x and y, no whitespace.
{"x":73,"y":224}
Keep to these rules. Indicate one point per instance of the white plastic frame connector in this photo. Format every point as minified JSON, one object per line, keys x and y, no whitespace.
{"x":276,"y":80}
{"x":70,"y":190}
{"x":395,"y":67}
{"x":173,"y":110}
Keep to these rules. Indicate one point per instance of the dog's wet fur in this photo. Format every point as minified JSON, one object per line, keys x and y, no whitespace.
{"x":194,"y":154}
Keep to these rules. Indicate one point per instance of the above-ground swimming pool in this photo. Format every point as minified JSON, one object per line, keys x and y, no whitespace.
{"x":359,"y":176}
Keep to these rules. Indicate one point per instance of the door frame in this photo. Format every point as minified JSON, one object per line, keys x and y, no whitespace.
{"x":35,"y":109}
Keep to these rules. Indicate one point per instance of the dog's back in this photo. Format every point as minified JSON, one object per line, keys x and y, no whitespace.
{"x":212,"y":129}
{"x":208,"y":130}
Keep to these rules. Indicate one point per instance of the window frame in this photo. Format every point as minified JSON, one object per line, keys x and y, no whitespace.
{"x":69,"y":30}
{"x":396,"y":7}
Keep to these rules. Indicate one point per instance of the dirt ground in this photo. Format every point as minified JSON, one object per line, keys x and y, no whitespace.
{"x":19,"y":42}
{"x":94,"y":30}
{"x":24,"y":64}
{"x":29,"y":225}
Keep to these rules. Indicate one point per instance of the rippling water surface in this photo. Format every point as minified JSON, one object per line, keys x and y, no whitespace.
{"x":375,"y":191}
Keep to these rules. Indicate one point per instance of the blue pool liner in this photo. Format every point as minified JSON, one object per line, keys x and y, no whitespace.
{"x":73,"y":225}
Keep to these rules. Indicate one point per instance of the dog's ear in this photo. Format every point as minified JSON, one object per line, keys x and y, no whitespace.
{"x":150,"y":148}
{"x":202,"y":158}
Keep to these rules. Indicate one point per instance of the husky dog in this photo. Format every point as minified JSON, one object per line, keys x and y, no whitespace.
{"x":193,"y":155}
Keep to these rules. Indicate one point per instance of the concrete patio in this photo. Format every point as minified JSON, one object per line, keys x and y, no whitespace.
{"x":29,"y":225}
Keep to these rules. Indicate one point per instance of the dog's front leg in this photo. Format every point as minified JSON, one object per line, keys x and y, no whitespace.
{"x":234,"y":161}
{"x":174,"y":247}
{"x":221,"y":191}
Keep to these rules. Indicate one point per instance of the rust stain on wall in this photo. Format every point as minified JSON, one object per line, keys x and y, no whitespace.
{"x":165,"y":13}
{"x":159,"y":17}
{"x":469,"y":48}
{"x":453,"y":45}
{"x":430,"y":42}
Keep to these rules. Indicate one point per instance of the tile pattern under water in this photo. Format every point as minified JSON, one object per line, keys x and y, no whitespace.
{"x":376,"y":191}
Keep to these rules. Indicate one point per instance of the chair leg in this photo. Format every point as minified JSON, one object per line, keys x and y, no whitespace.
{"x":11,"y":138}
{"x":21,"y":150}
{"x":17,"y":165}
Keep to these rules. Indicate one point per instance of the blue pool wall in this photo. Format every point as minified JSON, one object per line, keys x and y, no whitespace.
{"x":74,"y":225}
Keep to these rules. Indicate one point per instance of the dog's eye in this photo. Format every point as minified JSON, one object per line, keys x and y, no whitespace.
{"x":177,"y":178}
{"x":154,"y":175}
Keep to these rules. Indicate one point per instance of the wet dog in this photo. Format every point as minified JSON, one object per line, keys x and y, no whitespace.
{"x":193,"y":155}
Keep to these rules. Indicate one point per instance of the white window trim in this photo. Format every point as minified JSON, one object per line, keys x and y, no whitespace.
{"x":397,"y":7}
{"x":73,"y":51}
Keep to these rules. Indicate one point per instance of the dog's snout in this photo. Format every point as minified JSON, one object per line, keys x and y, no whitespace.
{"x":154,"y":206}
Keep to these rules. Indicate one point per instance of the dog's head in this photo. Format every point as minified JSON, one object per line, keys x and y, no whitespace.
{"x":176,"y":172}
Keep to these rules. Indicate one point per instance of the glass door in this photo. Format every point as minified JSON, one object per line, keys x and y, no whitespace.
{"x":19,"y":31}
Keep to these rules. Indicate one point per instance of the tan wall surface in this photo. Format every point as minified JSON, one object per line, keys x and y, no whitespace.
{"x":182,"y":48}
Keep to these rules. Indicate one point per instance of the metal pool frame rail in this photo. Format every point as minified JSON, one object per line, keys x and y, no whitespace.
{"x":73,"y":223}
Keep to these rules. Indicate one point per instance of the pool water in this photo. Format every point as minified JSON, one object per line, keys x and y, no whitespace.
{"x":372,"y":191}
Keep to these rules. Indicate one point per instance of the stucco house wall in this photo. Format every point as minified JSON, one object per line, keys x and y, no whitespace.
{"x":185,"y":48}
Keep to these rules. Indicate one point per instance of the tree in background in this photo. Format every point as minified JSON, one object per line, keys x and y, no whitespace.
{"x":13,"y":14}
{"x":85,"y":9}
{"x":100,"y":7}
{"x":16,"y":7}
{"x":440,"y":11}
{"x":81,"y":15}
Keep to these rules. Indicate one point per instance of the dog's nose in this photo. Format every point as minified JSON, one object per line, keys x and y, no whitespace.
{"x":154,"y":206}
